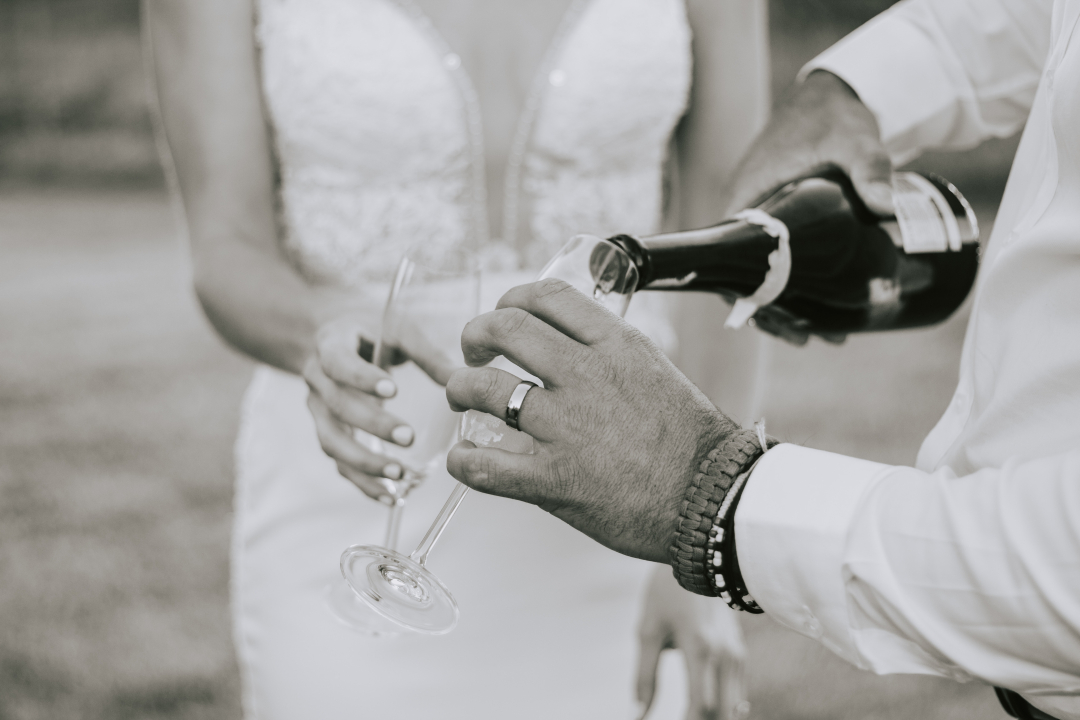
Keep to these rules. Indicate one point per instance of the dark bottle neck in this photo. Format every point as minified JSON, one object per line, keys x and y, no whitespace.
{"x":674,"y":260}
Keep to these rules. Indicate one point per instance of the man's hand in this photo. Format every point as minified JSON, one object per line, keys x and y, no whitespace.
{"x":817,"y":123}
{"x":619,"y":431}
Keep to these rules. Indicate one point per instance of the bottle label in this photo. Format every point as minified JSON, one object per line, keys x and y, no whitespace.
{"x":926,"y":221}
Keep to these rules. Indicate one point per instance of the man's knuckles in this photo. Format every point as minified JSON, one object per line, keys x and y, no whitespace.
{"x":490,"y":391}
{"x":535,"y":294}
{"x":544,"y":292}
{"x":589,"y":372}
{"x":486,"y":389}
{"x":489,"y":471}
{"x":485,"y":337}
{"x":473,"y":467}
{"x":506,"y":324}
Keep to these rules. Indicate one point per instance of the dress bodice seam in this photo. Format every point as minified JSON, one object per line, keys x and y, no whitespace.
{"x":523,"y":125}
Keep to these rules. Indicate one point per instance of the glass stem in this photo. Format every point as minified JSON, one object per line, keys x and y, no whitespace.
{"x":420,"y":554}
{"x":393,"y":524}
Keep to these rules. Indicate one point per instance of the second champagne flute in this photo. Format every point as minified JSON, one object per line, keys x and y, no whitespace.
{"x":434,"y":294}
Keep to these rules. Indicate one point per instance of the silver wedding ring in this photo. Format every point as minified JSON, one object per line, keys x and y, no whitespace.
{"x":513,"y":406}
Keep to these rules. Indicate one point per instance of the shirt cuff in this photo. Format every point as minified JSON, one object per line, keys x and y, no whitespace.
{"x":892,"y":65}
{"x":791,"y":527}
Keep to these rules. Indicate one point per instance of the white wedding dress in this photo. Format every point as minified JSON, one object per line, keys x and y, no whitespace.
{"x":379,"y":141}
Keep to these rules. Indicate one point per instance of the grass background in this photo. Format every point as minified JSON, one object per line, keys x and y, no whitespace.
{"x":118,"y":405}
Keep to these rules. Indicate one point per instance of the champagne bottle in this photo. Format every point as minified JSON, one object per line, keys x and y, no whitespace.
{"x":812,"y":256}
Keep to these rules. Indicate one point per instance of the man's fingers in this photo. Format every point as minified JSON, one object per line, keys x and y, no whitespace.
{"x":872,"y":178}
{"x":777,"y":322}
{"x":651,"y":642}
{"x":498,"y":472}
{"x":766,"y":173}
{"x":489,"y":389}
{"x":527,"y":341}
{"x":564,"y":308}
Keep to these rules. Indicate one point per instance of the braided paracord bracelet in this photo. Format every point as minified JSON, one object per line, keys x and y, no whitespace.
{"x":700,"y":506}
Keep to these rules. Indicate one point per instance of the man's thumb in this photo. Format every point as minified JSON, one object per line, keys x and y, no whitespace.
{"x":873,"y":181}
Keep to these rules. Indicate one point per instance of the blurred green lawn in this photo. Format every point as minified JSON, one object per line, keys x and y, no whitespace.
{"x":117,"y":412}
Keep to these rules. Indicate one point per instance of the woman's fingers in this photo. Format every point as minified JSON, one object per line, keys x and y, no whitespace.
{"x":374,"y":487}
{"x":651,"y":643}
{"x":338,"y":349}
{"x":731,"y":702}
{"x":356,"y":409}
{"x":696,"y":656}
{"x":337,"y":442}
{"x":527,"y":341}
{"x":411,"y":341}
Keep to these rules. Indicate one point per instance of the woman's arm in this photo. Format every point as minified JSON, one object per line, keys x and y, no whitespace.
{"x":729,"y":105}
{"x":729,"y":102}
{"x":205,"y":66}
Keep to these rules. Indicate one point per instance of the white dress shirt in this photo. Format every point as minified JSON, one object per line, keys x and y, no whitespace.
{"x":967,"y":566}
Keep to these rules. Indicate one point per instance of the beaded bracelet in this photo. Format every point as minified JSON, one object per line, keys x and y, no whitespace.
{"x":708,"y":490}
{"x":721,"y":555}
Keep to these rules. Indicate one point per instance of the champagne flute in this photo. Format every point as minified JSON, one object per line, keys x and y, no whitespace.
{"x":400,"y":588}
{"x":434,"y":293}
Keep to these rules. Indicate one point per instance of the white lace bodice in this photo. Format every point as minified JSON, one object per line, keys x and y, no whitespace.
{"x":380,"y":145}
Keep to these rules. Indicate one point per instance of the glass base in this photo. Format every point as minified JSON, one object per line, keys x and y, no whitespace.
{"x":353,"y":613}
{"x":399,"y":589}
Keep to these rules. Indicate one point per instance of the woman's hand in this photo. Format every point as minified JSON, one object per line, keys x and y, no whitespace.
{"x":346,"y":394}
{"x":708,"y":634}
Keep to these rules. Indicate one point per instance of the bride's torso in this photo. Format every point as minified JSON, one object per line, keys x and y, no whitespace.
{"x":507,"y":126}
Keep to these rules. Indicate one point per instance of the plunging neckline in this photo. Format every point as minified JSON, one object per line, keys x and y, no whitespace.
{"x":523,"y":130}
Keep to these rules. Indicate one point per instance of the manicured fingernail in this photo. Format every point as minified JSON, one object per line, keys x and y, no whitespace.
{"x":392,"y":471}
{"x":386,"y":500}
{"x":385,"y":388}
{"x":402,"y":435}
{"x":639,"y":712}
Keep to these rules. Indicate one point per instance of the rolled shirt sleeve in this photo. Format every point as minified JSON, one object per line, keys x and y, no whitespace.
{"x":902,"y":571}
{"x":945,"y":74}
